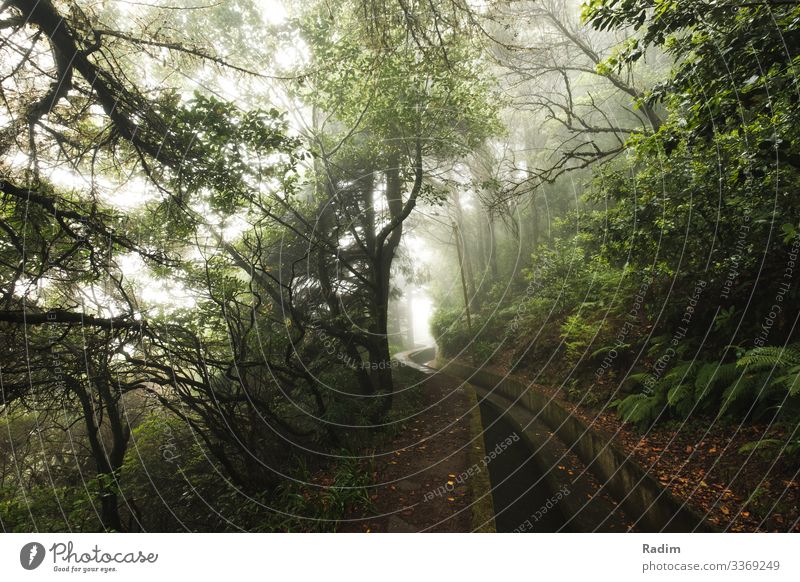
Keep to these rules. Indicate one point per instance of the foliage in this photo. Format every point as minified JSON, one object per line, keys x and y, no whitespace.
{"x":195,"y":283}
{"x":762,"y":381}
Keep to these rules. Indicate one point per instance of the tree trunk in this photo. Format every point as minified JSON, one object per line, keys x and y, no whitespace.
{"x":492,"y":246}
{"x":466,"y":265}
{"x":382,"y":269}
{"x":106,"y":472}
{"x":464,"y":289}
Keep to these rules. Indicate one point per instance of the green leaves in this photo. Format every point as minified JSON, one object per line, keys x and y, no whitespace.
{"x":789,"y":232}
{"x":640,"y":409}
{"x":736,"y":392}
{"x":734,"y":62}
{"x":228,"y":154}
{"x":379,"y":83}
{"x":712,"y":374}
{"x":769,"y":357}
{"x":763,"y":377}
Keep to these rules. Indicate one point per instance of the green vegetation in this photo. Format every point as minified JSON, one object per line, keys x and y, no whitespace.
{"x":196,"y":278}
{"x":669,"y":288}
{"x":214,"y":216}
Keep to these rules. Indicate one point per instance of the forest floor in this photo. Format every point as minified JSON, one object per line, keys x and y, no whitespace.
{"x":416,"y":488}
{"x":430,"y":446}
{"x":735,"y":491}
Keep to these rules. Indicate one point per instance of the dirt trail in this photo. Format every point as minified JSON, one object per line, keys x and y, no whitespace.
{"x":421,"y":492}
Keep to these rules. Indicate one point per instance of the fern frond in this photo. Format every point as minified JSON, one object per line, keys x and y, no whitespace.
{"x":681,"y":398}
{"x":770,"y":357}
{"x":761,"y":444}
{"x":681,"y":373}
{"x":711,"y":375}
{"x":637,"y":379}
{"x":791,"y":381}
{"x":640,"y":409}
{"x":736,"y":391}
{"x":606,"y":349}
{"x":677,"y":394}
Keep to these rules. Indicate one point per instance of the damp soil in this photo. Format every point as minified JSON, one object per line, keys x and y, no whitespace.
{"x":416,"y":469}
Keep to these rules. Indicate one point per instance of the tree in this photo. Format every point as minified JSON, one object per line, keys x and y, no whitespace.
{"x":75,"y":117}
{"x":557,"y":72}
{"x":728,"y":146}
{"x":383,"y":119}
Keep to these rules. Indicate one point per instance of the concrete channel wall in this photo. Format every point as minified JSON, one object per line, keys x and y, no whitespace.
{"x":638,"y":492}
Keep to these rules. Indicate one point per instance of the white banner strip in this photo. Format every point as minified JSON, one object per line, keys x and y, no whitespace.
{"x":398,"y":557}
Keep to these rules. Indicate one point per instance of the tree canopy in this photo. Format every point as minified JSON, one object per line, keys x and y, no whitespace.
{"x":214,"y":218}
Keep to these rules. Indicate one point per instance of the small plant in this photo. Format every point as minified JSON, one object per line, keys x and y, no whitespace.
{"x":577,"y":334}
{"x":769,"y":446}
{"x":583,"y":396}
{"x":762,"y":379}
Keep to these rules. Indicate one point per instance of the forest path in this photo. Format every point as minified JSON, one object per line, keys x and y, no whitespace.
{"x":430,"y":451}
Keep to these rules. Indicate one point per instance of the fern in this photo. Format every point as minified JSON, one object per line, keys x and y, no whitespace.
{"x":760,"y":444}
{"x":680,"y":373}
{"x":791,"y":447}
{"x":769,"y":357}
{"x":711,"y":375}
{"x":791,"y":381}
{"x":670,"y":391}
{"x":681,"y":398}
{"x":657,"y":344}
{"x":640,"y":409}
{"x":678,"y":394}
{"x":738,"y":390}
{"x":608,"y":348}
{"x":638,"y":379}
{"x":764,"y":375}
{"x":767,"y":372}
